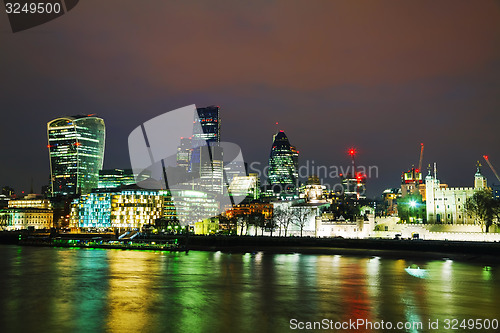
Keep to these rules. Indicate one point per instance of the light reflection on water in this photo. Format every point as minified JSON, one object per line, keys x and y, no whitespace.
{"x":79,"y":290}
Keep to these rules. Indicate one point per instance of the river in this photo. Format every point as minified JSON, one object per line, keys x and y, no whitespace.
{"x":46,"y":289}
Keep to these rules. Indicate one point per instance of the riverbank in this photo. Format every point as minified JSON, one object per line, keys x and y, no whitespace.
{"x":456,"y":250}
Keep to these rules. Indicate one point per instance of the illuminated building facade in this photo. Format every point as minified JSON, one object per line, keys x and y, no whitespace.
{"x":114,"y":178}
{"x":125,"y":209}
{"x":283,"y":164}
{"x":206,"y":154}
{"x":354,"y":187}
{"x":211,"y":169}
{"x":447,"y":205}
{"x":76,"y":152}
{"x":190,"y":206}
{"x":184,"y":153}
{"x":30,"y":201}
{"x":24,"y":218}
{"x":210,"y":124}
{"x":206,"y":227}
{"x":247,"y":186}
{"x":412,"y":183}
{"x":264,"y":208}
{"x":207,"y":133}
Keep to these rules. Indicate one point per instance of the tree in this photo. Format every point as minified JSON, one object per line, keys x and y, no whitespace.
{"x":269,"y":224}
{"x":258,"y":220}
{"x":243,"y":221}
{"x":283,"y":217}
{"x":228,"y":224}
{"x":301,"y":215}
{"x":483,"y":207}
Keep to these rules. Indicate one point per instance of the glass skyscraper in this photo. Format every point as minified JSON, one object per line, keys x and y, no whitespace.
{"x":210,"y":124}
{"x":76,"y":153}
{"x":283,"y":164}
{"x":206,"y":153}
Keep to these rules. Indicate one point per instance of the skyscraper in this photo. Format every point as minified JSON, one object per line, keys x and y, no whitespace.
{"x":283,"y":164}
{"x":210,"y":124}
{"x":206,"y":154}
{"x":76,"y":152}
{"x":184,"y":153}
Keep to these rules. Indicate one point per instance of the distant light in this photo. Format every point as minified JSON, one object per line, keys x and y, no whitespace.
{"x":413,"y":204}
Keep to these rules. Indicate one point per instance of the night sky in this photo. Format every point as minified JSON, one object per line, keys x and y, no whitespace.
{"x":381,"y":76}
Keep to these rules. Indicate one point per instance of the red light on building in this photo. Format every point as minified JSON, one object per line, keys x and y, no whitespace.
{"x":352,"y":151}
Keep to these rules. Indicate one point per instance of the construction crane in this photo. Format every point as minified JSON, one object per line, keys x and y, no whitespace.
{"x":487,"y":159}
{"x":421,"y":157}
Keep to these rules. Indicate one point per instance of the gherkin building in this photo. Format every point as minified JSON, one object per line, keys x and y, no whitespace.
{"x":283,"y":164}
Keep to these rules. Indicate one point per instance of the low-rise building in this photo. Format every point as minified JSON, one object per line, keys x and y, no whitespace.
{"x":447,"y":205}
{"x":24,"y":218}
{"x":125,"y":209}
{"x":31,"y":201}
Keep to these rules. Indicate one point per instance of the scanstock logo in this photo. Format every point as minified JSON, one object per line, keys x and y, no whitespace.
{"x":28,"y":14}
{"x":169,"y":152}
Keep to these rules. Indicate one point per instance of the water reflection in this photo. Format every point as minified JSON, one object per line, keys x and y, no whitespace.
{"x":75,"y":290}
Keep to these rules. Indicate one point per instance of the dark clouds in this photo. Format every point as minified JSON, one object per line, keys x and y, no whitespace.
{"x":380,"y":75}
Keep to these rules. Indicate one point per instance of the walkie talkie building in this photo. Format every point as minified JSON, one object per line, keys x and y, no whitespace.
{"x":76,"y":152}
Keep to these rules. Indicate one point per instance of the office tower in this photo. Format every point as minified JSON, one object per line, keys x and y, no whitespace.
{"x":283,"y":164}
{"x":206,"y":154}
{"x":206,"y":134}
{"x":76,"y":152}
{"x":184,"y":153}
{"x":210,"y":124}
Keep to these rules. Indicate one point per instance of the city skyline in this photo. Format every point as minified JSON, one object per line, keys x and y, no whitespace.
{"x":382,"y":78}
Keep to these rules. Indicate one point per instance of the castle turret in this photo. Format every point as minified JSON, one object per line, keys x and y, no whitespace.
{"x":479,"y":179}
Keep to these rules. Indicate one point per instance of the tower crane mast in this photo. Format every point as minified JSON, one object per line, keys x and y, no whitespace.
{"x":421,"y":157}
{"x":487,"y":159}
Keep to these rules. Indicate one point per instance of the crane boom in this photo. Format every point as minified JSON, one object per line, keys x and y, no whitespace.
{"x":486,"y":158}
{"x":421,"y":157}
